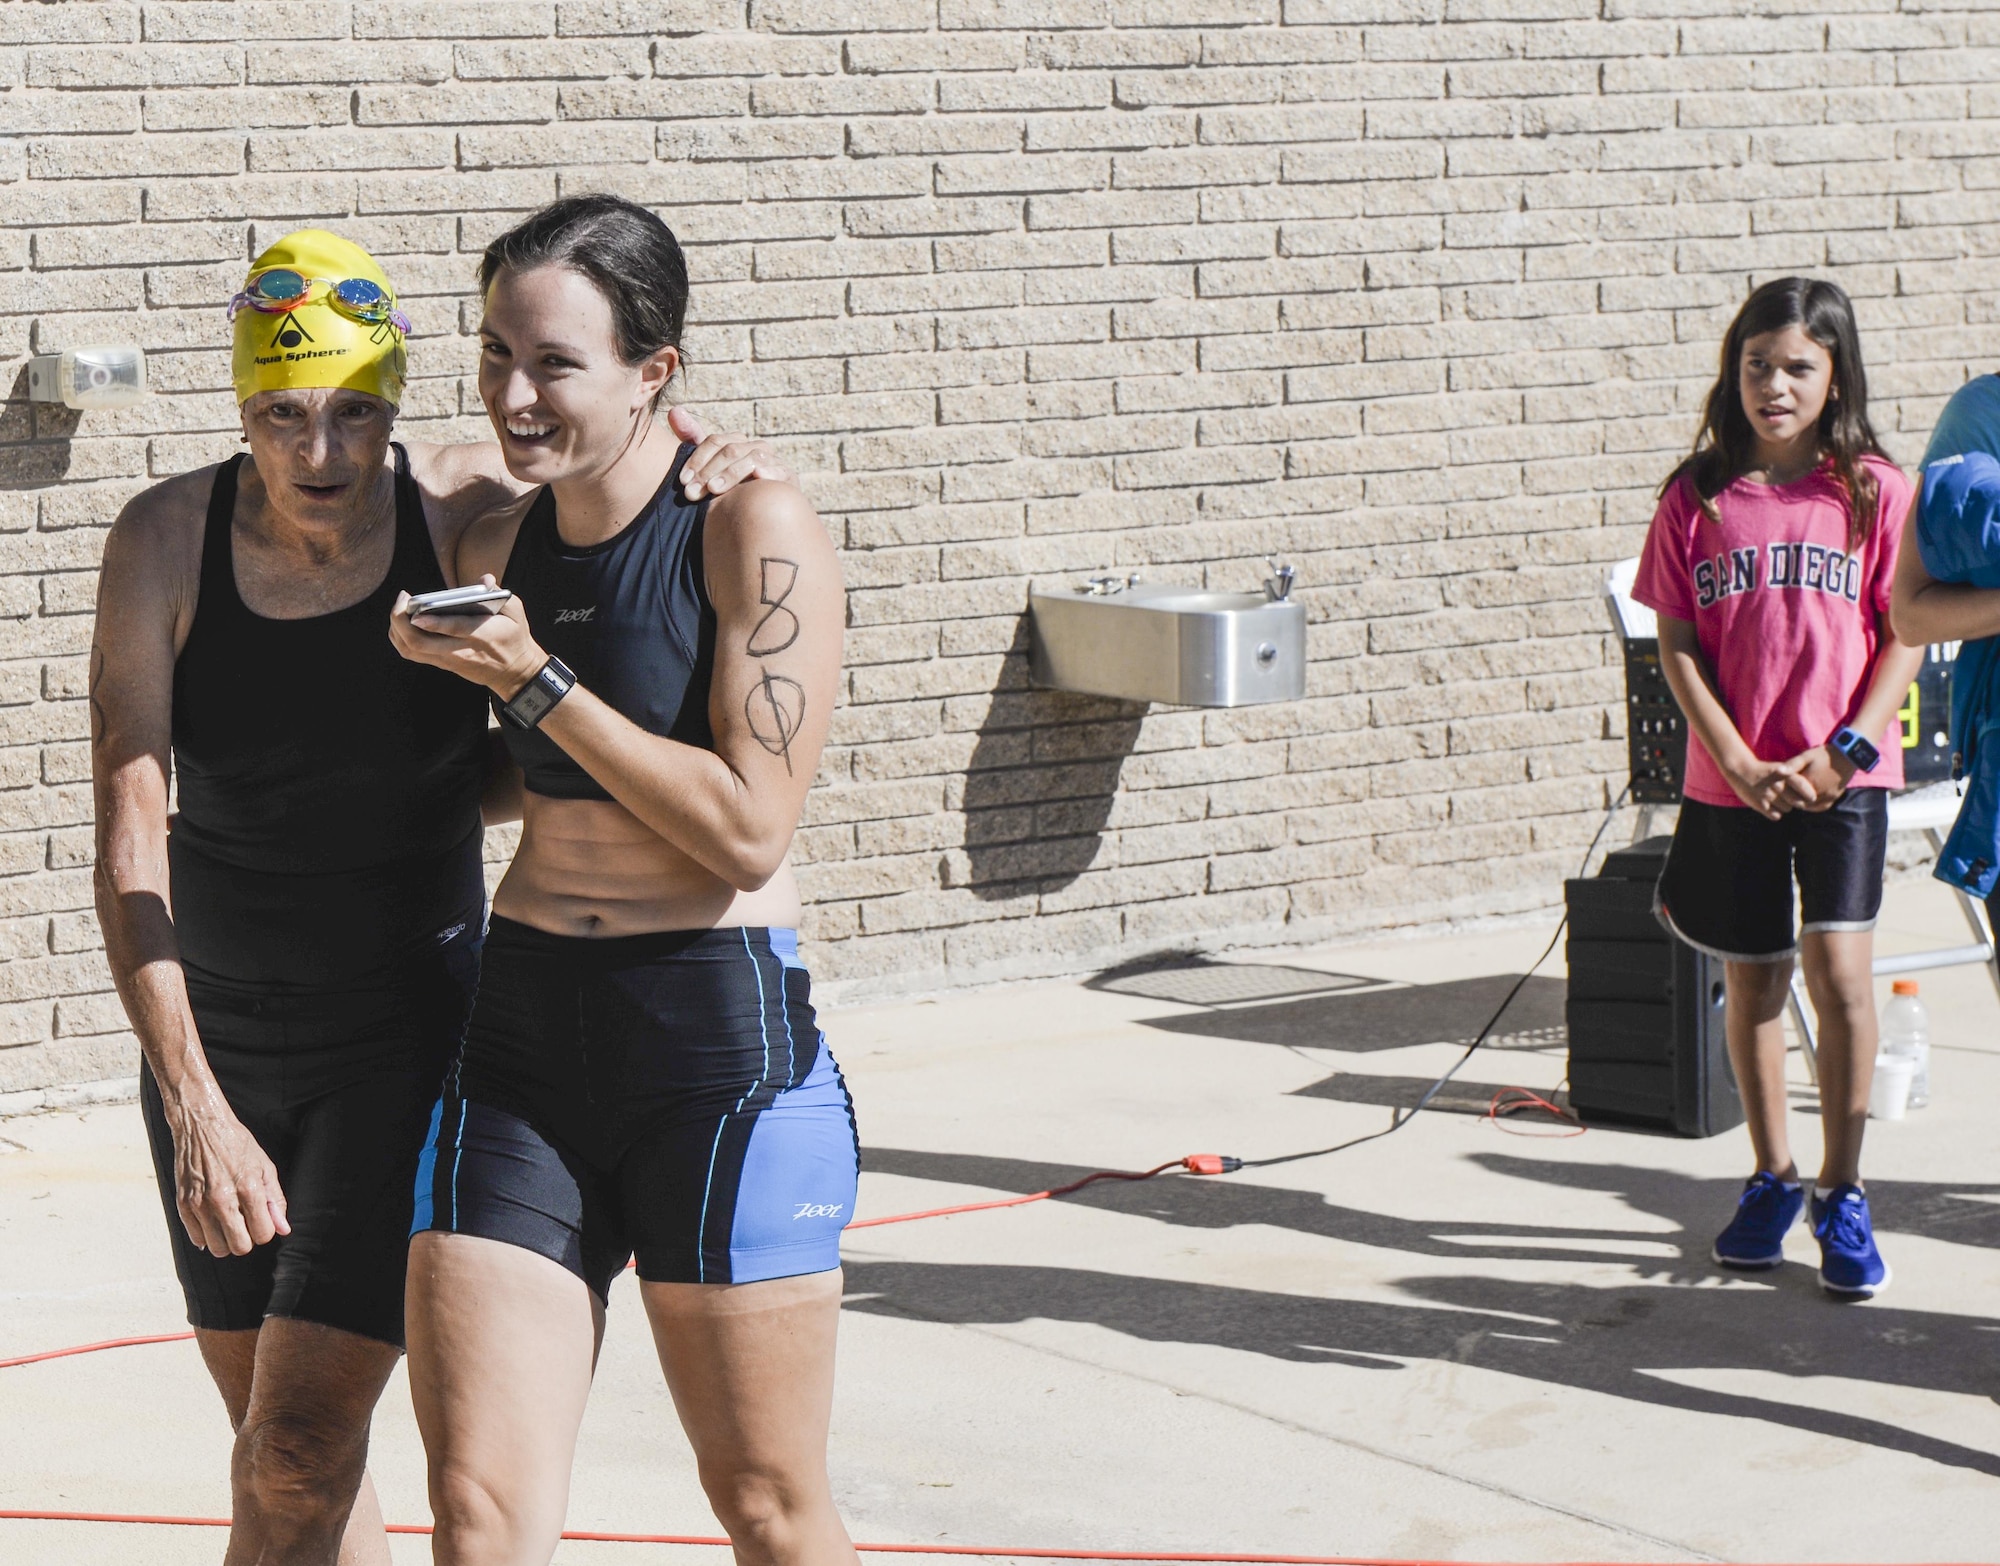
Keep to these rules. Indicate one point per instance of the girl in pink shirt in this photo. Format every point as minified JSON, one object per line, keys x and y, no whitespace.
{"x":1769,"y":563}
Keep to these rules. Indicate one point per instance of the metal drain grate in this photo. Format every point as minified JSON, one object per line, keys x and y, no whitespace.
{"x":1228,"y":983}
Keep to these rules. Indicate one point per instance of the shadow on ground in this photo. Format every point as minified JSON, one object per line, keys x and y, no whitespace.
{"x":1625,"y":1341}
{"x":1449,"y":1013}
{"x":1456,"y":1097}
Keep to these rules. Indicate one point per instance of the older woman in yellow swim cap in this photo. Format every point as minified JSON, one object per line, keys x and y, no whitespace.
{"x":296,"y":957}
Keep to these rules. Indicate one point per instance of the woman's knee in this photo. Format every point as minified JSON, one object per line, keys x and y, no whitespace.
{"x":1842,"y":991}
{"x":482,"y":1516}
{"x":301,"y":1465}
{"x":1759,"y":988}
{"x":1849,"y":1007}
{"x":756,"y":1506}
{"x":467,"y":1506}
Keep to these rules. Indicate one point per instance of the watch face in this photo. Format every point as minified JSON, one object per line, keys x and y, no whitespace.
{"x":532,"y":703}
{"x":1861,"y":753}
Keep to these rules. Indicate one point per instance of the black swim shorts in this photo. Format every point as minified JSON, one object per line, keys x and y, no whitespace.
{"x":1727,"y":887}
{"x":337,"y":1089}
{"x":668,"y":1095}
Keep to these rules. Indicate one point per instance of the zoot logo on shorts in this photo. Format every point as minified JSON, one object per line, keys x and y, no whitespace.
{"x":818,"y":1210}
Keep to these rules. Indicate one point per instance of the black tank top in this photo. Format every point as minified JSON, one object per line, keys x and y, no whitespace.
{"x":630,"y":616}
{"x":328,"y":820}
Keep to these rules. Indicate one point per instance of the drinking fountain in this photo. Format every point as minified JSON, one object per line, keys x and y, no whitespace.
{"x":1186,"y":646}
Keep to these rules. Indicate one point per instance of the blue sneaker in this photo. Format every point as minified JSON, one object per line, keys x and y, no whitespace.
{"x":1765,"y":1213}
{"x":1849,"y":1264}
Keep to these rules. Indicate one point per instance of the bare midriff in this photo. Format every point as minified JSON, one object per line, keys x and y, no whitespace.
{"x":590,"y":867}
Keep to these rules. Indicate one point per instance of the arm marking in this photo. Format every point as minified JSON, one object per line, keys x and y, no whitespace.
{"x":775,"y":707}
{"x":781,"y":635}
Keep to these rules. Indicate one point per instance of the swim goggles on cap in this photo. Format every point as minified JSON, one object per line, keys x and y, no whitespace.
{"x":282,"y":289}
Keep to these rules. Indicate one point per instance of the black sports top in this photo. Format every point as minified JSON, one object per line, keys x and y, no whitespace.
{"x":630,"y":616}
{"x":328,"y":787}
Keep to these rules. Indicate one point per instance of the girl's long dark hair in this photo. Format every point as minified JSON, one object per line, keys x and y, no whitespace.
{"x":1725,"y":447}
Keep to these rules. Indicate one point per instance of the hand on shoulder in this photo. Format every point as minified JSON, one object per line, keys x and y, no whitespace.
{"x":721,"y":461}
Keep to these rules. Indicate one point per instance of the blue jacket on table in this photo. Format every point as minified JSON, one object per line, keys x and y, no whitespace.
{"x":1958,"y":539}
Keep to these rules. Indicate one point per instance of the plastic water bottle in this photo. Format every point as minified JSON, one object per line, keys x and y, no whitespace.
{"x":1906,"y":1030}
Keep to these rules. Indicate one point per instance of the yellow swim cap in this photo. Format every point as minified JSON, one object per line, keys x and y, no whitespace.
{"x":317,"y":343}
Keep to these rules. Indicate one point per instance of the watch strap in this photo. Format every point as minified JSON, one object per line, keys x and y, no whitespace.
{"x":1854,"y":746}
{"x":531,"y":703}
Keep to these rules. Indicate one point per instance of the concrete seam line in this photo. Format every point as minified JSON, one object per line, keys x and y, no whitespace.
{"x":1487,"y":1485}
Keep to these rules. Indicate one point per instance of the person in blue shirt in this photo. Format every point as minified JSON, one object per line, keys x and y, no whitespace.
{"x":1947,"y":589}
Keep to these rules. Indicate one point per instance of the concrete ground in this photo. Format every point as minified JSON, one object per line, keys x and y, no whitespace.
{"x":1455,"y":1342}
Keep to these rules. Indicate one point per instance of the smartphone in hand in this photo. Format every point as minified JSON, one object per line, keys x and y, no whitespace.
{"x":474,"y":600}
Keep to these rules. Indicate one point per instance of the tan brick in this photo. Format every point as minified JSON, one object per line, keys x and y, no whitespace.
{"x":1101,"y":48}
{"x":845,"y":97}
{"x":25,"y":1022}
{"x":978,"y":92}
{"x":83,"y":1015}
{"x":44,"y":24}
{"x":445,"y":19}
{"x":315,"y":151}
{"x":1054,"y":171}
{"x":500,"y":149}
{"x":840,"y":16}
{"x":929,"y":134}
{"x":94,"y":157}
{"x":871,"y":54}
{"x":1022,"y":13}
{"x":585,"y":18}
{"x":200,"y":21}
{"x":543,"y":60}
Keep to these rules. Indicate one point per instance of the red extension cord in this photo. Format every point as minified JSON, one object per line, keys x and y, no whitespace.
{"x":1194,"y":1163}
{"x":585,"y":1536}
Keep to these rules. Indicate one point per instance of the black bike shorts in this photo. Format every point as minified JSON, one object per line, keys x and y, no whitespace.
{"x":336,"y":1088}
{"x":666,"y":1094}
{"x":1727,"y":887}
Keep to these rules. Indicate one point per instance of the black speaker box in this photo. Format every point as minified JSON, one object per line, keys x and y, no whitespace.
{"x":1646,"y":1042}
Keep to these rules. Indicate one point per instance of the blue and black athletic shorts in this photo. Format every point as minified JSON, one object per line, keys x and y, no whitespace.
{"x":667,"y":1095}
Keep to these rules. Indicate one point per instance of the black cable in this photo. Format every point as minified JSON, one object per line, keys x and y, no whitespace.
{"x":1399,"y":1118}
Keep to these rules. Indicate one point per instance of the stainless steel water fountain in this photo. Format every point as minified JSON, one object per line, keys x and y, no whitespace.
{"x":1187,"y":646}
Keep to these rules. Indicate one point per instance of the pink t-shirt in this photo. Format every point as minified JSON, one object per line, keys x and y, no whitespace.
{"x":1788,"y":619}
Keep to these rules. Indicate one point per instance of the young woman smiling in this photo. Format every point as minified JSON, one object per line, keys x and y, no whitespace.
{"x":643,"y":1072}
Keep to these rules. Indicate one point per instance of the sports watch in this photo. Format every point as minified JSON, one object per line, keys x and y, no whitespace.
{"x":1855,"y":748}
{"x":531,"y":703}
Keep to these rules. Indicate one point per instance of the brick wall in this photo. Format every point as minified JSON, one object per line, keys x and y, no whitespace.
{"x":1419,"y":293}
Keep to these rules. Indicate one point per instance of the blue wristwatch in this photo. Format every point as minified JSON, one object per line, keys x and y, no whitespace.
{"x":1855,"y":748}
